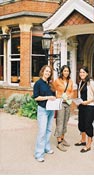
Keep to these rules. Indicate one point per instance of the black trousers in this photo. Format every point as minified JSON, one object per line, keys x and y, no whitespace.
{"x":85,"y":119}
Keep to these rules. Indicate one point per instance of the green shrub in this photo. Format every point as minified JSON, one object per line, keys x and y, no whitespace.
{"x":29,"y":109}
{"x":22,"y":104}
{"x":13,"y":103}
{"x":2,"y":102}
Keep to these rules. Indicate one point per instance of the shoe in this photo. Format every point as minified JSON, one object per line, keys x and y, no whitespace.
{"x":50,"y":152}
{"x":65,"y":143}
{"x":40,"y":159}
{"x":85,"y":149}
{"x":61,"y":147}
{"x":80,"y":144}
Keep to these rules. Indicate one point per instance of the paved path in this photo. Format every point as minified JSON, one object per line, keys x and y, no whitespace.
{"x":17,"y":142}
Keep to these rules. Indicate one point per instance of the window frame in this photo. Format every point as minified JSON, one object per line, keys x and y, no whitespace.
{"x":13,"y":59}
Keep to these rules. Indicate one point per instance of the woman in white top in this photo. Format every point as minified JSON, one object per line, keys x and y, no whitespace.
{"x":86,"y":109}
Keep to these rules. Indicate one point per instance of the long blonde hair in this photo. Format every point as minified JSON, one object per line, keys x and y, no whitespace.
{"x":42,"y":71}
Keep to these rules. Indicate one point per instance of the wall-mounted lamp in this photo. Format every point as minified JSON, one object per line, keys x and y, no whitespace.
{"x":46,"y":43}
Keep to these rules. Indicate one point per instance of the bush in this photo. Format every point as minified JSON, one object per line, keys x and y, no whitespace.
{"x":22,"y":104}
{"x":13,"y":103}
{"x":29,"y":109}
{"x":2,"y":102}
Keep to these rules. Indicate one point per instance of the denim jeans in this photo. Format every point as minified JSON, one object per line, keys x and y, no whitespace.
{"x":45,"y":119}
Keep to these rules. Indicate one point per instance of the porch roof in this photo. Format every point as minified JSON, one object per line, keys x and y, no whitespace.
{"x":83,"y":7}
{"x":91,"y":2}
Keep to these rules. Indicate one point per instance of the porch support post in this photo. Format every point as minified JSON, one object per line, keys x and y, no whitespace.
{"x":74,"y":61}
{"x":56,"y":50}
{"x":63,"y":52}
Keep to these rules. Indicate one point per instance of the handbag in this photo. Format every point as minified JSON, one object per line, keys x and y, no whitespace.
{"x":54,"y":104}
{"x":65,"y":97}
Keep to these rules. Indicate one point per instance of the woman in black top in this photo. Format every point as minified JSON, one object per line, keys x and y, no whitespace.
{"x":42,"y":93}
{"x":86,"y":110}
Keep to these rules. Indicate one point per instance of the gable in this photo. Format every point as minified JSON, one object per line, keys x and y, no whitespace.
{"x":91,"y":2}
{"x":64,"y":12}
{"x":75,"y":19}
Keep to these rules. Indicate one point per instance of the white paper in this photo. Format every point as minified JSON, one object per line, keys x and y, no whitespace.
{"x":54,"y":105}
{"x":77,"y":101}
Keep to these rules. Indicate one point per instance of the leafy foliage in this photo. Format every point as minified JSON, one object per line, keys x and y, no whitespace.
{"x":22,"y":104}
{"x":2,"y":102}
{"x":13,"y":103}
{"x":29,"y":109}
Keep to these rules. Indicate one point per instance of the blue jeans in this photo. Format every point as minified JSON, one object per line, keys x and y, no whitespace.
{"x":45,"y":119}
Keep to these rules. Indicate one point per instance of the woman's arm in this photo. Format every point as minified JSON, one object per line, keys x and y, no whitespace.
{"x":87,"y":102}
{"x":43,"y":98}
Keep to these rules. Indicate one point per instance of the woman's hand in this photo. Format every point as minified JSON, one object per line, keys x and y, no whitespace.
{"x":84,"y":103}
{"x":87,"y":102}
{"x":51,"y":97}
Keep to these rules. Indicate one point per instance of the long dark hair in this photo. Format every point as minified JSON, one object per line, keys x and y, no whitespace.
{"x":85,"y":68}
{"x":62,"y":68}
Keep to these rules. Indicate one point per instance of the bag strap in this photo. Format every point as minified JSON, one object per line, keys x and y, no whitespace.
{"x":66,"y":86}
{"x":80,"y":89}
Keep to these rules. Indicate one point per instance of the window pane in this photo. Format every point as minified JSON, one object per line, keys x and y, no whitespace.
{"x":1,"y":47}
{"x":38,"y":56}
{"x":1,"y":68}
{"x":15,"y":56}
{"x":15,"y":71}
{"x":37,"y":45}
{"x":93,"y":66}
{"x":37,"y":63}
{"x":1,"y":59}
{"x":15,"y":47}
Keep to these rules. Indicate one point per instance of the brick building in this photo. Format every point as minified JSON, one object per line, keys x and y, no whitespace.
{"x":22,"y":24}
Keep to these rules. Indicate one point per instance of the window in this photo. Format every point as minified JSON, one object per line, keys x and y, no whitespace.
{"x":15,"y":55}
{"x":1,"y":60}
{"x":38,"y":56}
{"x":69,"y":61}
{"x":92,"y":66}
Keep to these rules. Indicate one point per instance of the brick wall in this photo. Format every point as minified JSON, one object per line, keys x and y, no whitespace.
{"x":25,"y":65}
{"x":6,"y":91}
{"x":26,"y":5}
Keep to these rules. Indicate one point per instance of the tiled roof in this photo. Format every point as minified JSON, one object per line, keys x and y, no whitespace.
{"x":75,"y":18}
{"x":91,"y":2}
